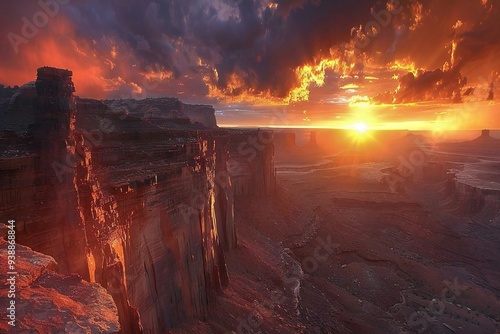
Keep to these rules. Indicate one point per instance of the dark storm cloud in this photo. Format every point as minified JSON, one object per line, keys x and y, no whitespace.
{"x":262,"y":44}
{"x":285,"y":6}
{"x":148,"y":28}
{"x":266,"y":47}
{"x":427,"y":86}
{"x":13,"y":15}
{"x":482,"y":41}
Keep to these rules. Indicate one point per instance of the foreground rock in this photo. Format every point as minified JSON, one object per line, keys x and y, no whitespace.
{"x":48,"y":302}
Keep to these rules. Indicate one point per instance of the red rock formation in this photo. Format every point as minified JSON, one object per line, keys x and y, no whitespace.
{"x":285,"y":139}
{"x":471,"y":178}
{"x":47,"y":302}
{"x":143,"y":206}
{"x":164,"y":109}
{"x":252,"y":162}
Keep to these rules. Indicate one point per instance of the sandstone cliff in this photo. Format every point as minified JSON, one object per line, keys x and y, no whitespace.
{"x":470,"y":179}
{"x":134,"y":195}
{"x":165,"y":109}
{"x":49,"y":302}
{"x":252,"y":162}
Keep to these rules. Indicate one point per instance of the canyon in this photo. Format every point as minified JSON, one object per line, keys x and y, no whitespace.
{"x":134,"y":195}
{"x":174,"y":225}
{"x":340,"y":249}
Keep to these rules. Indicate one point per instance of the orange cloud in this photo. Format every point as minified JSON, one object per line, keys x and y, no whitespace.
{"x":57,"y":47}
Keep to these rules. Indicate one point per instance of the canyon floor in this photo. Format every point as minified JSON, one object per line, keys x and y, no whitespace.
{"x":335,"y":251}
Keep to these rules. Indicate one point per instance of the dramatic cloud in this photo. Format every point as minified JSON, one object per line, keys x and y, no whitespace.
{"x":427,"y":86}
{"x":267,"y":52}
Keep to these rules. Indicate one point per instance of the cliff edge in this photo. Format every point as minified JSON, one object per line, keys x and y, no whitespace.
{"x":137,"y":196}
{"x":37,"y":298}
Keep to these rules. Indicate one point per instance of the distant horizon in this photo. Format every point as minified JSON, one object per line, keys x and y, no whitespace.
{"x":243,"y":115}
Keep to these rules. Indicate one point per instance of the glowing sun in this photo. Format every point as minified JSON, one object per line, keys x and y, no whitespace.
{"x":360,"y":127}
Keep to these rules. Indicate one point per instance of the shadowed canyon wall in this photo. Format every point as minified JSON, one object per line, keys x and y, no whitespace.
{"x":134,"y":195}
{"x":252,"y":162}
{"x":469,"y":179}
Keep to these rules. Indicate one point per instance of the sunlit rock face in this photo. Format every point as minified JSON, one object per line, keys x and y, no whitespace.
{"x":48,"y":205}
{"x":53,"y":303}
{"x":141,"y":204}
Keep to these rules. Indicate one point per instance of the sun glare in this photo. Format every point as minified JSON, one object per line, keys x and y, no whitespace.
{"x":361,"y":127}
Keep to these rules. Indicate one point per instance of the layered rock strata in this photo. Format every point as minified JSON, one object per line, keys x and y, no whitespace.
{"x":472,"y":179}
{"x":252,"y":162}
{"x":47,"y":302}
{"x":141,"y":203}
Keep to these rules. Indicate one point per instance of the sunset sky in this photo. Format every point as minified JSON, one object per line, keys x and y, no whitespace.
{"x":417,"y":64}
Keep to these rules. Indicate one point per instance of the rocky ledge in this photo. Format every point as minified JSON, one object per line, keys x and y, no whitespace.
{"x":471,"y":179}
{"x":47,"y":302}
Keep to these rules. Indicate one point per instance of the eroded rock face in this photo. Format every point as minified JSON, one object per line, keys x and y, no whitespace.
{"x":252,"y":162}
{"x":471,"y":178}
{"x":142,"y":205}
{"x":52,"y":303}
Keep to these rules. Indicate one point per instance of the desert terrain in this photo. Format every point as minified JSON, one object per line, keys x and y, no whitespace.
{"x":336,"y":250}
